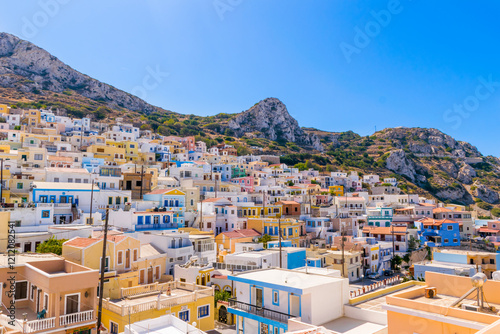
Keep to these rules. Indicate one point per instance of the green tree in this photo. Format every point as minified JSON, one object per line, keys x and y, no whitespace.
{"x":265,"y":239}
{"x":221,"y":295}
{"x":51,"y":245}
{"x":396,"y":262}
{"x":495,"y":212}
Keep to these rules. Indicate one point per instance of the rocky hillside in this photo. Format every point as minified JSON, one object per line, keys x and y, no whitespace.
{"x":425,"y":161}
{"x":270,"y":119}
{"x":32,"y":70}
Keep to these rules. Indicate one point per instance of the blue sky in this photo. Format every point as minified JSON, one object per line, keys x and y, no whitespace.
{"x":337,"y":65}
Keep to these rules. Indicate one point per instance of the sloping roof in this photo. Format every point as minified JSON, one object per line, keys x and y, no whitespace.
{"x":440,"y":210}
{"x":385,"y":230}
{"x":241,"y":233}
{"x":157,"y":191}
{"x":149,"y":250}
{"x":81,"y":242}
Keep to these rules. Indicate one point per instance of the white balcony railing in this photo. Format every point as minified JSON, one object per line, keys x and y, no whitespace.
{"x":72,"y":318}
{"x":40,"y":325}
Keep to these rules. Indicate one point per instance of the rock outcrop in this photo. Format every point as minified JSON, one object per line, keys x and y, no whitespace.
{"x":466,"y":174}
{"x":484,"y":193}
{"x":399,"y":163}
{"x":270,"y":119}
{"x":29,"y":68}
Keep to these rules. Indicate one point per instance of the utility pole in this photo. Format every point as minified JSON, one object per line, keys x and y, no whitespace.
{"x":1,"y":181}
{"x":216,"y":187}
{"x":103,"y":265}
{"x":393,"y":245}
{"x":91,"y":201}
{"x":201,"y":211}
{"x":264,"y":203}
{"x":342,"y":245}
{"x":279,"y":238}
{"x":168,"y":165}
{"x":142,"y":179}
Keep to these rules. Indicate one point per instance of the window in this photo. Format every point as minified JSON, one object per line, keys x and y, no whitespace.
{"x":38,"y":157}
{"x":455,"y":240}
{"x":118,"y":200}
{"x":450,"y":227}
{"x":203,"y":311}
{"x":492,"y":261}
{"x":56,"y":179}
{"x":19,"y":185}
{"x":125,"y":200}
{"x":21,"y":290}
{"x":70,"y":180}
{"x":276,"y":297}
{"x":120,"y":257}
{"x":110,"y":200}
{"x":136,"y":252}
{"x":157,"y":272}
{"x":184,"y":315}
{"x":446,"y":241}
{"x":113,"y":327}
{"x":45,"y":214}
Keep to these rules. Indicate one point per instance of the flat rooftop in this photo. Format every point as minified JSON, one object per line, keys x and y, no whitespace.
{"x":286,"y":278}
{"x":346,"y":325}
{"x":24,"y":258}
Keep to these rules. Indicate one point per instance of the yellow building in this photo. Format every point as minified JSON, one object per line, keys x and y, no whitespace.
{"x":128,"y":264}
{"x":413,"y":311}
{"x":257,"y":211}
{"x":109,"y":153}
{"x":187,"y":301}
{"x":4,"y":109}
{"x":31,"y":118}
{"x":4,"y":230}
{"x":336,"y":190}
{"x":290,"y":228}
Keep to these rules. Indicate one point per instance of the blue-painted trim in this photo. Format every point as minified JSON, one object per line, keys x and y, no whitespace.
{"x":296,"y":291}
{"x":256,"y":318}
{"x":278,"y":302}
{"x":45,"y":211}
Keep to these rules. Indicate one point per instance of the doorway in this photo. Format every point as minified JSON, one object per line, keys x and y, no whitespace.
{"x":72,"y":304}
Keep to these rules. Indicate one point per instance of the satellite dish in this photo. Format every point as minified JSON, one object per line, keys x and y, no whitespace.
{"x":255,"y":239}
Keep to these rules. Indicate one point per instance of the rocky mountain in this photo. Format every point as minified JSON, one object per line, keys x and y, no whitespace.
{"x":425,"y":161}
{"x":30,"y":69}
{"x":270,"y":119}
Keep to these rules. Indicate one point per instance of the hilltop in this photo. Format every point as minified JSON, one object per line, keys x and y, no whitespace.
{"x":425,"y":161}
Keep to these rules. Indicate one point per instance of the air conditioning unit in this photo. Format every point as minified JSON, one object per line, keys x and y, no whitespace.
{"x":430,"y":292}
{"x":469,"y":307}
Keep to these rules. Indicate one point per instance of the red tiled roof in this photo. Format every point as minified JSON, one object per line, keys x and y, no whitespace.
{"x":288,"y":202}
{"x":81,"y":242}
{"x":209,"y":200}
{"x":488,"y":230}
{"x":440,"y":210}
{"x":385,"y":230}
{"x":242,"y":233}
{"x":158,"y":191}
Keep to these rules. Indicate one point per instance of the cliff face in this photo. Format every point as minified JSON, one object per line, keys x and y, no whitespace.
{"x":437,"y":162}
{"x":270,"y":119}
{"x":28,"y":68}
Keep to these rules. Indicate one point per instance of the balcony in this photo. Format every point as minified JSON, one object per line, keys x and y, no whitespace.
{"x":39,"y":325}
{"x":73,"y":318}
{"x":178,"y":252}
{"x":258,"y":311}
{"x":162,"y":226}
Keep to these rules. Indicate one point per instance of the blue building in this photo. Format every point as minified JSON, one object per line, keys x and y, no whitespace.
{"x":267,"y":298}
{"x":92,"y":164}
{"x":380,"y":217}
{"x":436,"y":233}
{"x":172,"y":200}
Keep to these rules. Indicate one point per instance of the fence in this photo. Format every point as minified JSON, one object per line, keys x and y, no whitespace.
{"x":382,"y":284}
